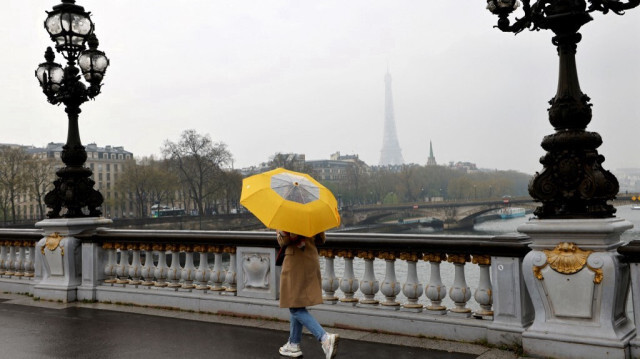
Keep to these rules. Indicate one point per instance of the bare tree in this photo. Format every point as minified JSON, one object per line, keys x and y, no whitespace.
{"x":199,"y":162}
{"x":12,"y":174}
{"x":134,"y":180}
{"x":39,"y":175}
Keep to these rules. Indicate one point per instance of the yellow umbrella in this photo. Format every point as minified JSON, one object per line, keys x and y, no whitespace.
{"x":290,"y":201}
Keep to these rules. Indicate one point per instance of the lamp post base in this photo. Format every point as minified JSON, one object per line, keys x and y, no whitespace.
{"x":578,"y":287}
{"x":60,"y":257}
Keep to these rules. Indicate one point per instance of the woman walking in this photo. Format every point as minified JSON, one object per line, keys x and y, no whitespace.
{"x":300,"y":287}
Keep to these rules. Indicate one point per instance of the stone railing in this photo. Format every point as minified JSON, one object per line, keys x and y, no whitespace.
{"x":234,"y":273}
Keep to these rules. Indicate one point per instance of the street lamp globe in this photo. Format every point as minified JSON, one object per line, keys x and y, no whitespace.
{"x":93,"y":62}
{"x":49,"y":74}
{"x":69,"y":26}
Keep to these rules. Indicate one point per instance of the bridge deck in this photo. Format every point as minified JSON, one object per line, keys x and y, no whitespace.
{"x":37,"y":329}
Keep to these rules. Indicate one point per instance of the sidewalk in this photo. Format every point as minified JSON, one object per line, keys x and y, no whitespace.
{"x":40,"y":329}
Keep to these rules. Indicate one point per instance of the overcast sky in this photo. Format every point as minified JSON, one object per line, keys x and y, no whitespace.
{"x":305,"y":76}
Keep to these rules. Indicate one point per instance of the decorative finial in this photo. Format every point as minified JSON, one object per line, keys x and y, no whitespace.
{"x":93,"y":42}
{"x":49,"y":55}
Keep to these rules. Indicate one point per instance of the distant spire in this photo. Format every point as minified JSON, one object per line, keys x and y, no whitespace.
{"x":431,"y":161}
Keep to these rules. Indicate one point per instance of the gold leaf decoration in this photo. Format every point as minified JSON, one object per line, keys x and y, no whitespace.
{"x":537,"y":271}
{"x":567,"y":258}
{"x":366,"y":254}
{"x":434,"y":257}
{"x":458,"y":258}
{"x":53,"y":241}
{"x":598,"y":277}
{"x":389,"y":256}
{"x":484,"y":260}
{"x":409,"y":257}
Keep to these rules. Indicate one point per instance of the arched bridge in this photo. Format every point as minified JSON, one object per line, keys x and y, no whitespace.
{"x":454,"y":214}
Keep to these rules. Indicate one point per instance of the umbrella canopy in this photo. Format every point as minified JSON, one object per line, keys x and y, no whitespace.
{"x":290,"y":201}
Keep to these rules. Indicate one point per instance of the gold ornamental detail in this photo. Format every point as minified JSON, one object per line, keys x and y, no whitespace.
{"x":409,"y":257}
{"x":157,"y":247}
{"x":458,"y":258}
{"x":567,"y":258}
{"x":52,"y":242}
{"x":371,"y":255}
{"x":434,"y":257}
{"x":388,"y":256}
{"x":483,"y":260}
{"x":229,"y":249}
{"x":326,"y":253}
{"x":345,"y":253}
{"x":598,"y":271}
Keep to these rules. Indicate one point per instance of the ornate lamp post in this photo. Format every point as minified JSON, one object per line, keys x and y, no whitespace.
{"x":573,"y":183}
{"x":70,"y":27}
{"x":573,"y":273}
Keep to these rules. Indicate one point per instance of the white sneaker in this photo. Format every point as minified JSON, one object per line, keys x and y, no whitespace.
{"x":290,"y":350}
{"x":330,"y":345}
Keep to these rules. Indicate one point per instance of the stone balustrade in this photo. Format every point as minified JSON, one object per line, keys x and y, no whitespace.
{"x":398,"y":278}
{"x":410,"y":284}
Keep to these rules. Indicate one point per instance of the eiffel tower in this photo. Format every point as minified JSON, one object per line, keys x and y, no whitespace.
{"x":391,"y":154}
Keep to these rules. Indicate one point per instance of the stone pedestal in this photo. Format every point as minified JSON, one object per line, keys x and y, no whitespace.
{"x":578,"y":287}
{"x":60,"y":257}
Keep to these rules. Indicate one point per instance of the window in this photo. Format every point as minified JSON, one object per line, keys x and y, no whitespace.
{"x":91,"y":166}
{"x":99,"y":176}
{"x":99,"y":166}
{"x":108,"y":168}
{"x":108,"y":175}
{"x":120,"y":156}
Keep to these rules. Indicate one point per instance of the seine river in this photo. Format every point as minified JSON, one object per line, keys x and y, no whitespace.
{"x":493,"y":227}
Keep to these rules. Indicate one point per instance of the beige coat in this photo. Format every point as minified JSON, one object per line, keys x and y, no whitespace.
{"x":300,"y":281}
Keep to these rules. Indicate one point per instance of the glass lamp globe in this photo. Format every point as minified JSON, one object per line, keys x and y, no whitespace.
{"x":69,"y":26}
{"x":93,"y":62}
{"x":50,"y":74}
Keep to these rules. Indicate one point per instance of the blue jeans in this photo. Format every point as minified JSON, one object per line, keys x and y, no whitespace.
{"x":301,"y":317}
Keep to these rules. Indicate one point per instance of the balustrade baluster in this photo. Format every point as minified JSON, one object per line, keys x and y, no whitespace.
{"x":29,"y":261}
{"x":412,"y":288}
{"x":161,"y":270}
{"x":390,"y":286}
{"x":369,"y":286}
{"x":122,"y":270}
{"x":348,"y":282}
{"x":435,"y":290}
{"x":189,"y":270}
{"x":203,"y":272}
{"x":483,"y":294}
{"x":18,"y":264}
{"x":175,"y":272}
{"x":3,"y":256}
{"x":111,"y":266}
{"x":459,"y":292}
{"x":135,"y":269}
{"x":330,"y":283}
{"x":11,"y":257}
{"x":217,"y":274}
{"x":231,"y":277}
{"x":148,"y":269}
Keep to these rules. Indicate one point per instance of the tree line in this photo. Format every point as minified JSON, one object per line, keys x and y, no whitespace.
{"x":409,"y":183}
{"x":195,"y":174}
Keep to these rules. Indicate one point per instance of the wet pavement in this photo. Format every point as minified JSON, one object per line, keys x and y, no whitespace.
{"x":56,"y":330}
